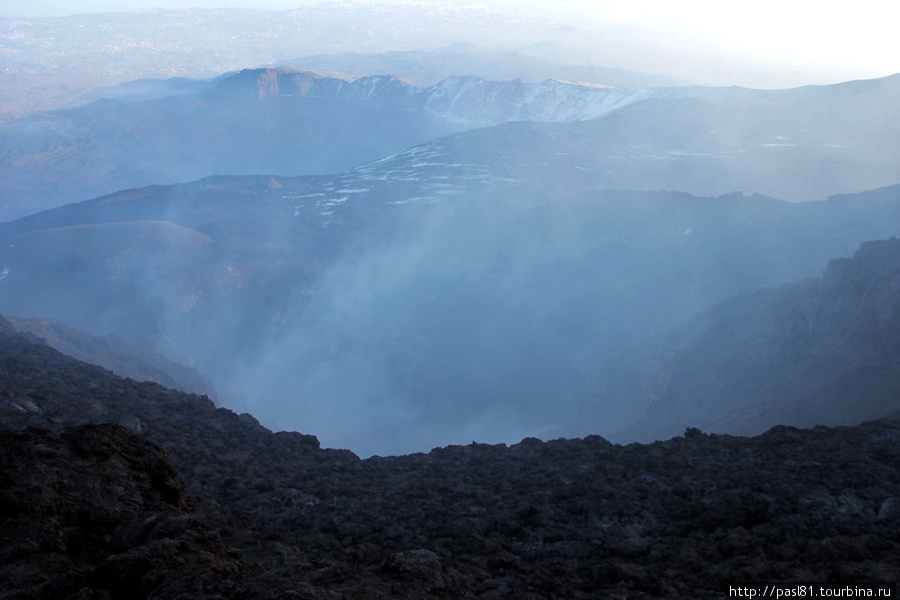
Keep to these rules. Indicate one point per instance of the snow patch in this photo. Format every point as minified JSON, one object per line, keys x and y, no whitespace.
{"x":681,"y":153}
{"x":332,"y":201}
{"x":303,"y":196}
{"x":423,"y":199}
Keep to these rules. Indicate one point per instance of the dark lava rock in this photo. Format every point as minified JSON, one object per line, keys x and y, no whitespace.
{"x":96,"y":511}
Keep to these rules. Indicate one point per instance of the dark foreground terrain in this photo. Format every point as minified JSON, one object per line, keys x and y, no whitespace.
{"x":110,"y":488}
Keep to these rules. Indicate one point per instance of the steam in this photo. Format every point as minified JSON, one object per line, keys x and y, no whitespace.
{"x":419,"y":341}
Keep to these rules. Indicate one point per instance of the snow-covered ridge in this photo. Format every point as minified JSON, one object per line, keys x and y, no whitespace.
{"x":470,"y":101}
{"x":477,"y":101}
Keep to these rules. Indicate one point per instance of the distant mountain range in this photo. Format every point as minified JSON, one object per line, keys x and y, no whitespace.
{"x":276,"y":121}
{"x":800,"y":144}
{"x":50,"y":62}
{"x":427,"y":68}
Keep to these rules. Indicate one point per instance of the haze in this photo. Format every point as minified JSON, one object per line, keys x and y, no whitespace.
{"x":761,"y":44}
{"x":401,"y":225}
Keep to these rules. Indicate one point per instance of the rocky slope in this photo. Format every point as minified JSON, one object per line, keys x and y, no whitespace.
{"x":98,"y":508}
{"x":821,"y":352}
{"x":95,"y":512}
{"x":124,"y":357}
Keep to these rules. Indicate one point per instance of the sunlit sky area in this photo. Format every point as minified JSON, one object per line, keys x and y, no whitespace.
{"x":851,"y":39}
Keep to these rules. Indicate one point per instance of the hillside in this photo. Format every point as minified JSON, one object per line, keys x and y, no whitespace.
{"x":797,"y":144}
{"x":124,"y":357}
{"x":821,"y":352}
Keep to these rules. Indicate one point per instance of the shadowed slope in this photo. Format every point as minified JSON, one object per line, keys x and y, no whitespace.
{"x":824,"y":351}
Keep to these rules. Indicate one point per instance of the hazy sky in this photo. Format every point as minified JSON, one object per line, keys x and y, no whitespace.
{"x":852,"y":39}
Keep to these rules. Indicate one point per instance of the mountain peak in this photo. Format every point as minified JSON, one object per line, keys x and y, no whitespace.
{"x":268,"y":182}
{"x":261,"y":83}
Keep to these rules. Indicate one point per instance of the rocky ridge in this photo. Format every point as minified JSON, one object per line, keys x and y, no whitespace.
{"x":466,"y":100}
{"x":584,"y":518}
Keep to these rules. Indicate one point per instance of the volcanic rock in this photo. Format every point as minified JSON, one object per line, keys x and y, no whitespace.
{"x":96,"y":511}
